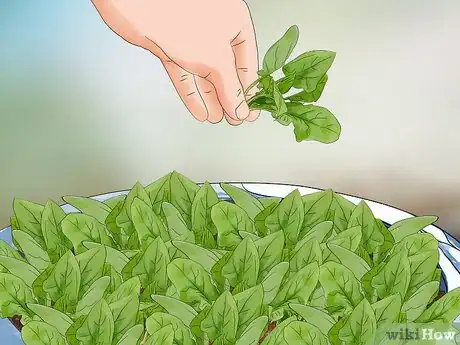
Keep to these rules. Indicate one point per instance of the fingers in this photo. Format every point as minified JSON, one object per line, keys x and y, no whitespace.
{"x":220,"y":94}
{"x":208,"y":94}
{"x":211,"y":102}
{"x":198,"y":94}
{"x":185,"y":85}
{"x":246,"y":60}
{"x":228,"y":86}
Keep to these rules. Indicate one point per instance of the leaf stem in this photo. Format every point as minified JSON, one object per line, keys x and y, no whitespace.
{"x":253,"y":84}
{"x":144,"y":338}
{"x":250,"y":99}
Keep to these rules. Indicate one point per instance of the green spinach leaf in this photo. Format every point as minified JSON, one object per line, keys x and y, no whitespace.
{"x":243,"y":266}
{"x":361,"y":326}
{"x":19,"y":268}
{"x":221,"y":322}
{"x":394,"y":277}
{"x":28,"y":216}
{"x":410,"y":226}
{"x":205,"y":257}
{"x":41,"y":333}
{"x":34,"y":253}
{"x":114,"y":201}
{"x":316,"y":317}
{"x":443,"y":310}
{"x":384,"y":249}
{"x":285,"y":84}
{"x":164,"y":336}
{"x":372,"y":237}
{"x":309,"y":67}
{"x":91,"y":264}
{"x":114,"y":257}
{"x":129,"y":287}
{"x":422,"y":268}
{"x":152,"y":266}
{"x":350,"y":259}
{"x":311,"y":122}
{"x":417,"y":302}
{"x":176,"y":189}
{"x":98,"y":327}
{"x":270,"y":251}
{"x":316,"y":209}
{"x":177,"y":226}
{"x":192,"y":282}
{"x":89,"y":206}
{"x":132,"y":336}
{"x":272,"y":281}
{"x":276,"y":337}
{"x":123,"y":219}
{"x":288,"y":217}
{"x":298,"y":332}
{"x":299,"y":287}
{"x":348,"y":239}
{"x":309,"y":96}
{"x":56,"y":243}
{"x":64,"y":281}
{"x":387,"y":310}
{"x":249,"y":304}
{"x":243,"y":199}
{"x":95,"y":293}
{"x":147,"y":224}
{"x":51,"y":316}
{"x":341,"y":287}
{"x":14,"y":296}
{"x":202,"y":224}
{"x":177,"y":308}
{"x":305,"y":254}
{"x":124,"y":314}
{"x":158,"y":320}
{"x":261,"y":217}
{"x":319,"y":232}
{"x":229,"y":220}
{"x":253,"y":332}
{"x":279,"y":52}
{"x":79,"y":227}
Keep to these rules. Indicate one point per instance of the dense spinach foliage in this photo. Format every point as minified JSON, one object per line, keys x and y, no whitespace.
{"x":307,"y":74}
{"x":172,"y":264}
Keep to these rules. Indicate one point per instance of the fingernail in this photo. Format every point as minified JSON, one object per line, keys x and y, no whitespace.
{"x":242,"y":111}
{"x":253,"y":115}
{"x":232,"y":121}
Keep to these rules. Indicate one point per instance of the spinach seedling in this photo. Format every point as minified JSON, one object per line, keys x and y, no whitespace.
{"x":307,"y":73}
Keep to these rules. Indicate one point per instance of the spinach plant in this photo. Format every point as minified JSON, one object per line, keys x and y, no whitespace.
{"x":308,"y":74}
{"x":172,"y":264}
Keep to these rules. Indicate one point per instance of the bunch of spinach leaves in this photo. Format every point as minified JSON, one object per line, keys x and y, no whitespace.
{"x":308,"y":74}
{"x":172,"y":264}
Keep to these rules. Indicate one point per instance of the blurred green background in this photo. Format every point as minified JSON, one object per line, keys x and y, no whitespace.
{"x":83,"y":113}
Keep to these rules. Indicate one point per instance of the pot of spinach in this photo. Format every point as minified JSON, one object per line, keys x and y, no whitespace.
{"x":175,"y":263}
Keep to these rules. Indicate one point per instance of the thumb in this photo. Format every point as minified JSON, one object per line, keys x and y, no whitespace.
{"x":229,"y":89}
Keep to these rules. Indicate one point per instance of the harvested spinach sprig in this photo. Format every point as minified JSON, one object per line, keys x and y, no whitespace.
{"x":171,"y":264}
{"x":307,"y":72}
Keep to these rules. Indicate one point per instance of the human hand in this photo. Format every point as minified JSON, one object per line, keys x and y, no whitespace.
{"x":207,"y":47}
